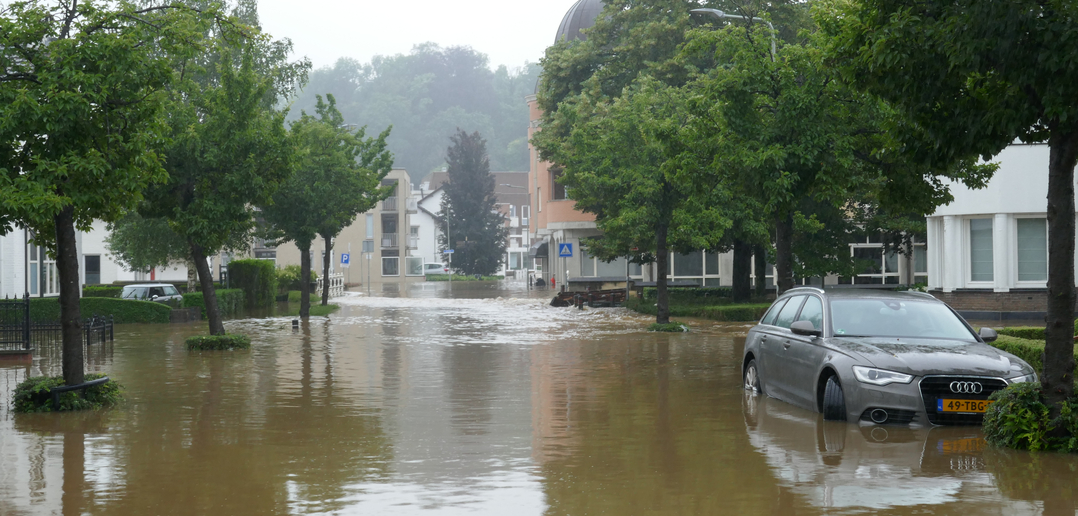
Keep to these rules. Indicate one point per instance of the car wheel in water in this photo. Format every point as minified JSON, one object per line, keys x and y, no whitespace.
{"x":834,"y":403}
{"x":752,"y":377}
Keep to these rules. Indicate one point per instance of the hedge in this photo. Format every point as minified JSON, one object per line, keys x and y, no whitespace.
{"x":691,"y":294}
{"x":1020,"y":418}
{"x":218,"y":342}
{"x":1032,"y":351}
{"x":102,"y":290}
{"x":288,"y":277}
{"x":257,"y":279}
{"x":732,"y":313}
{"x":35,"y":395}
{"x":124,"y":311}
{"x":229,"y":301}
{"x":1030,"y":332}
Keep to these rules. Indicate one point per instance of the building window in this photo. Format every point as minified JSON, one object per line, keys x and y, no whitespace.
{"x":557,"y":189}
{"x":525,"y":211}
{"x":514,"y":261}
{"x":920,"y":263}
{"x":370,"y":226}
{"x":591,"y":267}
{"x":880,"y":267}
{"x":512,"y":211}
{"x":539,"y":198}
{"x":391,"y":266}
{"x":1032,"y":250}
{"x":92,"y":263}
{"x":980,"y":250}
{"x":414,"y":265}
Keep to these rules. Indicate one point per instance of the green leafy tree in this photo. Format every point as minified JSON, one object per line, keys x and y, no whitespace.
{"x":622,"y":162}
{"x":973,"y":77}
{"x":81,"y":119}
{"x":814,"y":153}
{"x":229,"y":148}
{"x":338,"y":176}
{"x":471,"y":224}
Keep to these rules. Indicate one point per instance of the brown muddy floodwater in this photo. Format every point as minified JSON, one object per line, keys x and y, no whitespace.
{"x":485,"y":401}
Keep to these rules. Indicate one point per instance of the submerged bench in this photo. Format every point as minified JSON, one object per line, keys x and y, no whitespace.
{"x":57,"y":391}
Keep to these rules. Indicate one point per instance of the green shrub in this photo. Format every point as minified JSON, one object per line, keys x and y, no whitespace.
{"x":229,"y":301}
{"x":257,"y":279}
{"x":288,"y":277}
{"x":218,"y":342}
{"x":294,"y":296}
{"x":102,"y":290}
{"x":458,"y":277}
{"x":731,"y":313}
{"x":1019,"y":418}
{"x":671,"y":327}
{"x":34,"y":395}
{"x":1024,"y":332}
{"x":694,"y":295}
{"x":124,"y":311}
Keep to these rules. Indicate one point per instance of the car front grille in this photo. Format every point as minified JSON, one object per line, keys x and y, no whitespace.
{"x":934,"y":388}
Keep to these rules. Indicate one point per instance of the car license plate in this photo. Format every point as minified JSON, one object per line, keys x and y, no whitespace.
{"x":961,"y":446}
{"x":972,"y":406}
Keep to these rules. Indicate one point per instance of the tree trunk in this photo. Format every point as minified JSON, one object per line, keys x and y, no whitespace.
{"x":1058,"y":376}
{"x":209,"y":294}
{"x":662,"y":259}
{"x":742,"y":271}
{"x":304,"y":279}
{"x":67,"y":267}
{"x":760,"y":256}
{"x":192,"y":276}
{"x":784,"y":275}
{"x":326,"y":259}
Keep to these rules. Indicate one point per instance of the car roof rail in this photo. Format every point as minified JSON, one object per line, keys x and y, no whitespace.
{"x":919,"y":293}
{"x":816,"y":289}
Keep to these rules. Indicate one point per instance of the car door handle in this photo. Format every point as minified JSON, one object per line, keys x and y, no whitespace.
{"x":786,"y":345}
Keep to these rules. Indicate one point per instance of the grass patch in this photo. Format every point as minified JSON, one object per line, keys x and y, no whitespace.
{"x":317,"y":310}
{"x":34,"y":395}
{"x":458,"y":277}
{"x":715,"y":312}
{"x":225,"y":342}
{"x":294,"y":296}
{"x":670,"y":327}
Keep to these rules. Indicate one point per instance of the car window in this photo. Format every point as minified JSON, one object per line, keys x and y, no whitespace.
{"x":769,"y":317}
{"x":156,"y":291}
{"x":786,"y":316}
{"x":896,"y":318}
{"x":812,"y":312}
{"x":171,"y":290}
{"x":136,"y":293}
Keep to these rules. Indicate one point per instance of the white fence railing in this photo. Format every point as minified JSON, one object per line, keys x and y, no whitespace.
{"x":336,"y":285}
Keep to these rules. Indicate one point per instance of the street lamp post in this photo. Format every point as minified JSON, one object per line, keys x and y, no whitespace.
{"x":722,"y":15}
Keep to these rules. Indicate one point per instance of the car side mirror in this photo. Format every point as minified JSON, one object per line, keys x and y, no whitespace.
{"x":153,"y":297}
{"x":805,"y":328}
{"x":988,"y":334}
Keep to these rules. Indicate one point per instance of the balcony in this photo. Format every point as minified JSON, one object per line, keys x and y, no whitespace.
{"x":412,"y":205}
{"x":389,"y":204}
{"x":389,"y":241}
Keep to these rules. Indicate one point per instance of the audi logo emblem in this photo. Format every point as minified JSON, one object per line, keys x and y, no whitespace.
{"x":966,"y":387}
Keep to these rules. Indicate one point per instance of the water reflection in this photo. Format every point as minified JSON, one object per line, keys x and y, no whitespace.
{"x":487,"y":402}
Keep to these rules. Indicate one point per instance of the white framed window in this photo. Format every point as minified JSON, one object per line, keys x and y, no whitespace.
{"x":1032,"y":250}
{"x":980,"y":250}
{"x":525,"y":212}
{"x":413,"y":266}
{"x":697,"y":265}
{"x":370,"y":226}
{"x":879,"y":266}
{"x":514,"y":261}
{"x":391,"y":266}
{"x":920,"y":262}
{"x":592,"y":267}
{"x":512,"y":211}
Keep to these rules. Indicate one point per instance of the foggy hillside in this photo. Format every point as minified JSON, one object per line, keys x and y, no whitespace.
{"x":425,"y":95}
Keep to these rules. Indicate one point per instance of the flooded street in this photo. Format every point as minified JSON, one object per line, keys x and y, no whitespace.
{"x":483,"y":401}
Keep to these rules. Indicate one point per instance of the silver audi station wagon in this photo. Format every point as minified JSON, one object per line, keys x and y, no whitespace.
{"x":877,"y":357}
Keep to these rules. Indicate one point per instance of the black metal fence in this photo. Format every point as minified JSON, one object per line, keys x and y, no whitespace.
{"x":15,"y":324}
{"x":18,"y":333}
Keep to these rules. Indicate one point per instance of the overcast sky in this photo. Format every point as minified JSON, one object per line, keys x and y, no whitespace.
{"x":509,"y":32}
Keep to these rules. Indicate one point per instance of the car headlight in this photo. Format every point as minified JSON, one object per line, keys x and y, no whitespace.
{"x":879,"y":376}
{"x":1029,"y":378}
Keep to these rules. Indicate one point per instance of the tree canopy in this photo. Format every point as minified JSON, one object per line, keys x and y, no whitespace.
{"x":972,"y":78}
{"x":425,"y":95}
{"x":470,"y":221}
{"x":338,"y":174}
{"x":81,"y":101}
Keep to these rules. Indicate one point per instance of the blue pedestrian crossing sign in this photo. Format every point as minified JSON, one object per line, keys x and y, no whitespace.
{"x":346,"y":258}
{"x":565,"y":250}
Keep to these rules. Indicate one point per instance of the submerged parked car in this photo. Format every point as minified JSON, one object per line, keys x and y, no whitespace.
{"x":435,"y":268}
{"x":159,"y":292}
{"x":878,"y":357}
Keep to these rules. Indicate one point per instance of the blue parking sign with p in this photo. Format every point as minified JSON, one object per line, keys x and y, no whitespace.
{"x":345,"y":258}
{"x":565,"y":250}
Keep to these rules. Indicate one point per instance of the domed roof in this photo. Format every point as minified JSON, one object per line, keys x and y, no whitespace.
{"x":581,"y":15}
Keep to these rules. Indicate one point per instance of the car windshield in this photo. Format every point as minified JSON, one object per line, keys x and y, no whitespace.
{"x":894,"y":318}
{"x":171,"y":291}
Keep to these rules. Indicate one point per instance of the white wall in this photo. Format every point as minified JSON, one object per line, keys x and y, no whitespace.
{"x":428,"y":228}
{"x":1019,"y":186}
